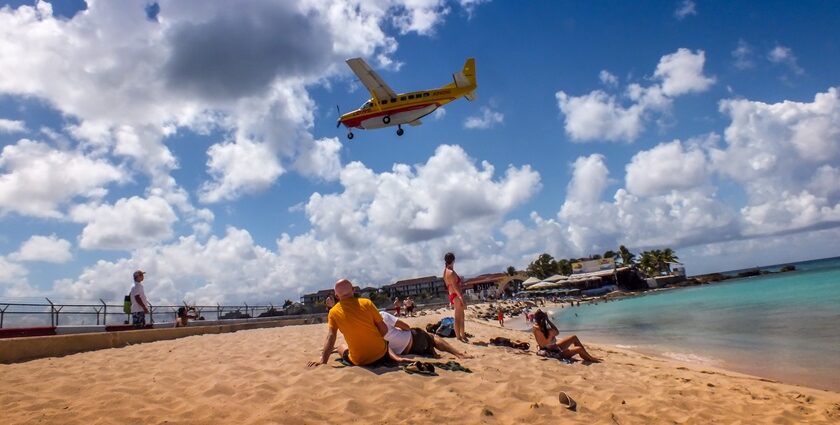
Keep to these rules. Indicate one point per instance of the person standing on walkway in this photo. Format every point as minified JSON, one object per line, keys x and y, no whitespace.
{"x":139,"y":303}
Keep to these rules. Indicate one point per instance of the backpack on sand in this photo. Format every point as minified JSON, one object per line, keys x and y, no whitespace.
{"x":446,"y":328}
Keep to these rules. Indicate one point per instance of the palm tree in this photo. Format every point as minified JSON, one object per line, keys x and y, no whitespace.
{"x":666,"y":257}
{"x":649,"y":263}
{"x":609,"y":254}
{"x":626,"y":256}
{"x":564,"y":267}
{"x":543,"y":267}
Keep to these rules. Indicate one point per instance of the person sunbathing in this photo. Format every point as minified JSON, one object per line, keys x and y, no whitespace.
{"x":545,"y":332}
{"x":403,"y":339}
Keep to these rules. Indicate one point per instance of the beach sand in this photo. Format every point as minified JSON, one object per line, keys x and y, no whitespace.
{"x":259,"y":376}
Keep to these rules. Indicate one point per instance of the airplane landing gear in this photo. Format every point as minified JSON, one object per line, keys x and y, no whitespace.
{"x":400,"y":131}
{"x":350,"y":136}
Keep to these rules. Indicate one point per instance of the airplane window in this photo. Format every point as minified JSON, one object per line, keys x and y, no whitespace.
{"x":385,"y":102}
{"x":393,"y":100}
{"x":402,"y":98}
{"x":411,"y":96}
{"x":425,"y":94}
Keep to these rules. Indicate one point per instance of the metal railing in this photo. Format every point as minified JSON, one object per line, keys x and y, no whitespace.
{"x":102,"y":311}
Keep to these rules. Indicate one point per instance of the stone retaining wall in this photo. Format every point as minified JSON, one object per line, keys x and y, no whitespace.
{"x":14,"y":350}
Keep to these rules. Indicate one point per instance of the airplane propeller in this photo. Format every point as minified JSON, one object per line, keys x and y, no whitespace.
{"x":338,"y":123}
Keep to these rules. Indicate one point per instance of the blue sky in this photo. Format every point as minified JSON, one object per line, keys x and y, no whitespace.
{"x":201,"y":145}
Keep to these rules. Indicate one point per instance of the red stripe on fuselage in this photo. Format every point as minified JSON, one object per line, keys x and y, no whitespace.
{"x":356,"y":121}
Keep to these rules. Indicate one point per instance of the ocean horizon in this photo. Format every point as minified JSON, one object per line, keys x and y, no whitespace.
{"x":781,"y":326}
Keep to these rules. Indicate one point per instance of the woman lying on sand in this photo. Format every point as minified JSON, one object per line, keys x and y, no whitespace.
{"x":546,"y":335}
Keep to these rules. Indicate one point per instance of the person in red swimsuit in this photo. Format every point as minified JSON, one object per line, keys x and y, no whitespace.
{"x":397,"y":305}
{"x":453,"y":285}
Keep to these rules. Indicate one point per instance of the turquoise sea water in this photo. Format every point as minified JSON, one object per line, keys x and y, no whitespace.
{"x":783,"y":326}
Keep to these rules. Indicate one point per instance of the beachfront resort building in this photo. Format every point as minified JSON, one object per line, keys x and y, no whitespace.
{"x":321,"y":296}
{"x":431,"y":286}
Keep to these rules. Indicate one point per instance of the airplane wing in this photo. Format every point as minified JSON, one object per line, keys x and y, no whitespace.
{"x":374,"y":83}
{"x":415,"y":123}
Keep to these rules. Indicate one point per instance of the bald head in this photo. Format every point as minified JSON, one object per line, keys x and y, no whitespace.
{"x":343,"y":289}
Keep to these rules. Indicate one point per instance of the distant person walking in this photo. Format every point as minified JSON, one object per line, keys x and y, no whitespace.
{"x":409,"y":306}
{"x":501,"y":316}
{"x":139,"y":303}
{"x":453,"y":285}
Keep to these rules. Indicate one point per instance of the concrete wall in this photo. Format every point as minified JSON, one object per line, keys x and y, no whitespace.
{"x":14,"y":350}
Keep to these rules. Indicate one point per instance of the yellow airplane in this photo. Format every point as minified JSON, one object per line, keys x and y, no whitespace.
{"x":386,"y":108}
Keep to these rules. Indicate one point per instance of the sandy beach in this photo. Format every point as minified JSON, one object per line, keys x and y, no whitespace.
{"x":259,"y":376}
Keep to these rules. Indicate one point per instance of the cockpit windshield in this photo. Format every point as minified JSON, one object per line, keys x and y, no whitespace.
{"x":367,"y":105}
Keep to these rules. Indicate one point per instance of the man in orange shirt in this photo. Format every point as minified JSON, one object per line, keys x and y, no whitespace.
{"x":363,"y":329}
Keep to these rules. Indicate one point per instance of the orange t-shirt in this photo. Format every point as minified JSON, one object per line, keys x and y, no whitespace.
{"x":356,"y":318}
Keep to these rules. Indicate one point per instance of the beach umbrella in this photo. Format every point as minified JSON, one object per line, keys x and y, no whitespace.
{"x":556,"y":278}
{"x":530,"y":281}
{"x":535,"y":286}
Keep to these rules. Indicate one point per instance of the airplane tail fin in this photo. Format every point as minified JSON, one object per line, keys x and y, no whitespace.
{"x":466,"y":78}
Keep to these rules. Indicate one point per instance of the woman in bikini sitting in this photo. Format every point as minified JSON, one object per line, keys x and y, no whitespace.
{"x":546,"y":335}
{"x":453,"y":285}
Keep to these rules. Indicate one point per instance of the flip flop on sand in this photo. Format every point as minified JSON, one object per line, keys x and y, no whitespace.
{"x":342,"y":363}
{"x":420,"y":368}
{"x":567,"y":401}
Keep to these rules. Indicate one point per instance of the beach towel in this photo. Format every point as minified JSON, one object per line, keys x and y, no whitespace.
{"x":552,"y":354}
{"x":506,"y":342}
{"x":452,"y":366}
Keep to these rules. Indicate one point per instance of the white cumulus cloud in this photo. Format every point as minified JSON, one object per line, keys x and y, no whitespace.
{"x":681,"y":72}
{"x":607,"y":78}
{"x":666,"y":167}
{"x":601,"y":116}
{"x":782,"y":153}
{"x":784,"y":56}
{"x":241,"y":167}
{"x":38,"y":180}
{"x":129,"y":223}
{"x":12,"y":126}
{"x":743,"y":55}
{"x":488,"y":119}
{"x":321,"y":159}
{"x":685,"y":8}
{"x":50,"y":249}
